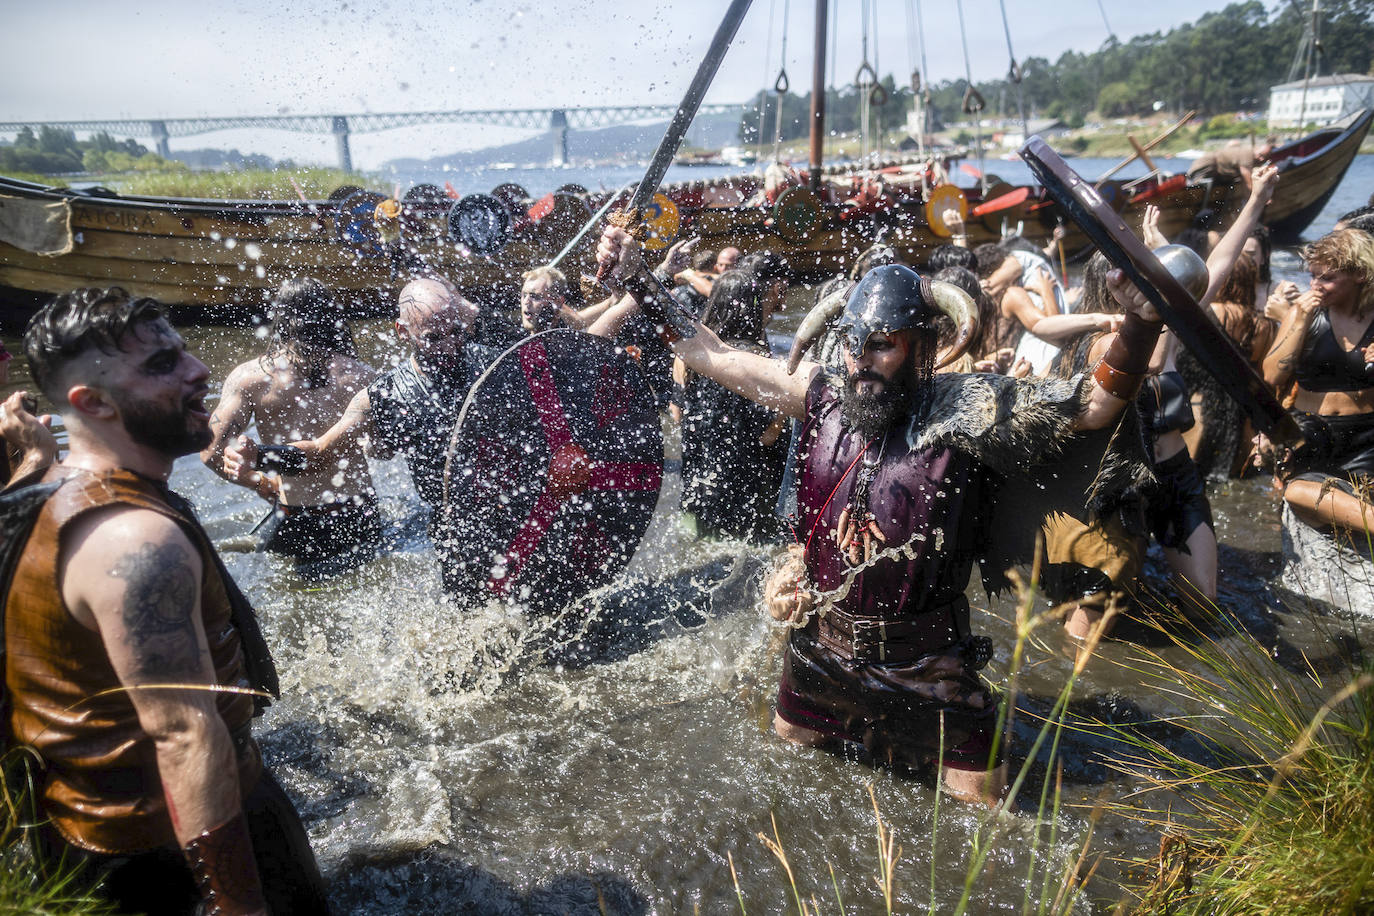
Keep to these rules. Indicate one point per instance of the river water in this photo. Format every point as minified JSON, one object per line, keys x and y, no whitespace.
{"x":442,"y":766}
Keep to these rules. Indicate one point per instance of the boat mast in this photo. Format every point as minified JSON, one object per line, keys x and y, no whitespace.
{"x":818,"y":96}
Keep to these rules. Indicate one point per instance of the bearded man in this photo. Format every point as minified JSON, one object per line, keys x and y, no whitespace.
{"x":899,"y":471}
{"x":132,"y":660}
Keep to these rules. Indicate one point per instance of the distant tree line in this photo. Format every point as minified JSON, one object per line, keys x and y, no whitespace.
{"x":1225,"y":61}
{"x":53,"y":151}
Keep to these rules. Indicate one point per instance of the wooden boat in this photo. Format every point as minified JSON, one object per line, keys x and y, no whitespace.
{"x":821,"y":234}
{"x":224,"y":258}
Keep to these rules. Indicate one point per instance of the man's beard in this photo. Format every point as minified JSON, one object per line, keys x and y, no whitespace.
{"x":170,"y":432}
{"x":870,"y":414}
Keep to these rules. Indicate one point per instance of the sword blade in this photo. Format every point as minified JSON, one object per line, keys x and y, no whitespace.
{"x":677,"y":128}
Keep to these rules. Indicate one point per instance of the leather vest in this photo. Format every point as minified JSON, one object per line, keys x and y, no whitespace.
{"x":100,"y":783}
{"x":1325,"y":365}
{"x":932,"y":500}
{"x":413,"y":415}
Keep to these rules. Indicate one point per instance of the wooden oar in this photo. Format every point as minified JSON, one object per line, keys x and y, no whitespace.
{"x":1003,"y":202}
{"x":1142,"y":153}
{"x":1141,"y":150}
{"x":970,"y":170}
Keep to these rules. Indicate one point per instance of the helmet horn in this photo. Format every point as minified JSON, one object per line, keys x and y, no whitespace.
{"x":963,"y":311}
{"x":828,"y":307}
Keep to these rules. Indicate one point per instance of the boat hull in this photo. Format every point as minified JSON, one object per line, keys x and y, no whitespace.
{"x":223,"y":259}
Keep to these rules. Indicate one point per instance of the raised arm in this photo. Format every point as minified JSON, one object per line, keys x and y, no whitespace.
{"x":1282,"y":360}
{"x":756,"y":377}
{"x":237,"y":404}
{"x":27,"y":436}
{"x":1224,"y":255}
{"x":1017,"y":303}
{"x":135,"y":577}
{"x":246,"y":459}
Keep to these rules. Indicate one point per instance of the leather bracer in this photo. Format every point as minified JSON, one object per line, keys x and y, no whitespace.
{"x":225,"y":872}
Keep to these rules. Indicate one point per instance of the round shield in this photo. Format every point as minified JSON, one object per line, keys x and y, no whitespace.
{"x":423,"y":209}
{"x":513,"y":195}
{"x":356,"y":224}
{"x":1194,"y":325}
{"x":661,"y":222}
{"x":480,"y":222}
{"x":945,"y":197}
{"x":797,"y":214}
{"x":994,"y":190}
{"x":553,"y":472}
{"x":342,"y":192}
{"x":572,"y":187}
{"x":557,"y":218}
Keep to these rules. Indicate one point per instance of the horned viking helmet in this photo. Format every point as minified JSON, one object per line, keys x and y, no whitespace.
{"x":888,"y":299}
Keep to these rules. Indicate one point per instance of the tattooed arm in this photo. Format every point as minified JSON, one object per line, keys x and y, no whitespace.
{"x":134,"y":576}
{"x":1282,"y":361}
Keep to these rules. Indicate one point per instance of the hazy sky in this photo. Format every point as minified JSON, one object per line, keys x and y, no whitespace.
{"x":69,"y":59}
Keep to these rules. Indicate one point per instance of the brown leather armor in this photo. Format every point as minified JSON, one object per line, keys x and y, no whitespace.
{"x":100,"y":785}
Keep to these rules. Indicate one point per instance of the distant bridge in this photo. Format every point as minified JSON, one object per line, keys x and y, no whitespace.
{"x":557,"y":120}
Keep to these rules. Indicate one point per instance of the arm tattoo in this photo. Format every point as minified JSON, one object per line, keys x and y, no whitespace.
{"x":159,"y":603}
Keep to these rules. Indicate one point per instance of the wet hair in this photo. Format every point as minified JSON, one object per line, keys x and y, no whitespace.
{"x":1363,"y":223}
{"x":1262,"y":235}
{"x":558,"y":282}
{"x":987,"y":311}
{"x":948,"y":255}
{"x":1096,"y":297}
{"x":1020,"y":243}
{"x":1347,"y":249}
{"x":307,"y":330}
{"x":1356,"y":213}
{"x":879,"y":255}
{"x":1195,"y":236}
{"x":74,"y":323}
{"x":704,"y":260}
{"x":1240,"y":285}
{"x":734,"y":309}
{"x":767,"y":266}
{"x":990,"y":256}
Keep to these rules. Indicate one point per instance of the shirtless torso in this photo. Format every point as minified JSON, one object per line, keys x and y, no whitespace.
{"x":274,"y":394}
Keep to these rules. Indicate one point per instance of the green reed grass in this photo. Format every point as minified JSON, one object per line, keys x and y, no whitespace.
{"x":24,"y":888}
{"x":1281,"y":818}
{"x":244,"y":184}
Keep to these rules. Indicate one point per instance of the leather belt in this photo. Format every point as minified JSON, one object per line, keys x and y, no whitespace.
{"x":895,"y":641}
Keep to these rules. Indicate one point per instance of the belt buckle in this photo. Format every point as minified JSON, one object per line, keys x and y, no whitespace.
{"x":863,"y":643}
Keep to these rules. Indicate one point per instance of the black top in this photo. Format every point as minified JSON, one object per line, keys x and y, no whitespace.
{"x":1165,"y":402}
{"x":730,"y":480}
{"x":1327,"y":366}
{"x":414,"y":414}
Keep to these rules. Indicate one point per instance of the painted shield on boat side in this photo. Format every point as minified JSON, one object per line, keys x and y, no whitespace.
{"x":553,"y":472}
{"x":481,"y":223}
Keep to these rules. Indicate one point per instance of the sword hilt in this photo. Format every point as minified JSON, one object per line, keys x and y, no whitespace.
{"x":630,"y":220}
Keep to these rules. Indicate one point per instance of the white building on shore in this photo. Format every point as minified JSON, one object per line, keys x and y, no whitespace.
{"x":1328,"y":99}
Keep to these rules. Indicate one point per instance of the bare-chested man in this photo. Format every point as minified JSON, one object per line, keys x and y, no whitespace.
{"x":307,"y":377}
{"x":409,"y":410}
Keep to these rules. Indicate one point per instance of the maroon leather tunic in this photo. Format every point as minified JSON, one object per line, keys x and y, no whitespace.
{"x":931,"y":499}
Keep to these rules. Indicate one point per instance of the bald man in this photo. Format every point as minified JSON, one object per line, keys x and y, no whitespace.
{"x":409,"y":410}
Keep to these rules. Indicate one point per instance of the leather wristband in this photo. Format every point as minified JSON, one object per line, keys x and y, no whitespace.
{"x":283,"y":459}
{"x":1127,"y":360}
{"x":225,"y":872}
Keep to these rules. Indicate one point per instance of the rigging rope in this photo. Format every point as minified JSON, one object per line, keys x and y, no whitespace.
{"x":1014,"y":74}
{"x":973,"y":100}
{"x":1103,"y":10}
{"x":781,"y":86}
{"x":763,"y":94}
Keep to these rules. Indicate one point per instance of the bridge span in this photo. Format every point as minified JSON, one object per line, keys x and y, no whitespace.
{"x":558,"y":121}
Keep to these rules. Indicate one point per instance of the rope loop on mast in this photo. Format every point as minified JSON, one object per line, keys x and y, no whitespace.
{"x":973,"y":101}
{"x":781,"y":86}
